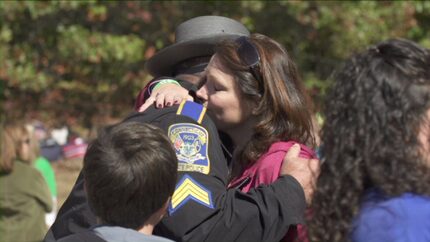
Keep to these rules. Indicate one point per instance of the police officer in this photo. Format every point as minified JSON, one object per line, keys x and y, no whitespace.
{"x":202,"y":209}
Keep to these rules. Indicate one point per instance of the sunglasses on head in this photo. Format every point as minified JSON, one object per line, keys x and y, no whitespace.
{"x":248,"y":54}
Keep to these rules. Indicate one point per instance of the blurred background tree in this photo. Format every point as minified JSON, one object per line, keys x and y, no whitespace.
{"x":82,"y":62}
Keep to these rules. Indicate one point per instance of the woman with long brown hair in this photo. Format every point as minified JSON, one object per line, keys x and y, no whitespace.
{"x":253,"y":93}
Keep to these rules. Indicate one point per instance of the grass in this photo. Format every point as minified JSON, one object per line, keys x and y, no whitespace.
{"x":66,"y":172}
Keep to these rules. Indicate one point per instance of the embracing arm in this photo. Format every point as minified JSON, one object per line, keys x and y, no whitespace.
{"x":262,"y":214}
{"x":217,"y":214}
{"x":163,"y":91}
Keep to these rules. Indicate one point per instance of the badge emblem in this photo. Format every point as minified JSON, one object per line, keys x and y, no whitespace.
{"x":191,"y":146}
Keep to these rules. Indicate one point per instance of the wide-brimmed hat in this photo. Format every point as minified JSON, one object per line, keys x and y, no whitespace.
{"x":194,"y":38}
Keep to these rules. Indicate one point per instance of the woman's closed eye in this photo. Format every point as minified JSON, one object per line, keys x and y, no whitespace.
{"x":216,"y":85}
{"x":218,"y":88}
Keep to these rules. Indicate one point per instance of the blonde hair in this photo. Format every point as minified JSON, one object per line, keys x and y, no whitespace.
{"x":7,"y":151}
{"x":34,"y":151}
{"x":12,"y":136}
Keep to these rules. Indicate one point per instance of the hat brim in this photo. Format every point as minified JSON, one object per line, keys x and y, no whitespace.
{"x":162,"y":63}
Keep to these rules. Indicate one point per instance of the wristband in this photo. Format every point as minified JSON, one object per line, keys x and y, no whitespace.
{"x":165,"y":81}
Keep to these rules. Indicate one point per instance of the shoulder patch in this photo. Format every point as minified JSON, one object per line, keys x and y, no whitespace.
{"x":193,"y":110}
{"x":191,"y":146}
{"x":188,"y":189}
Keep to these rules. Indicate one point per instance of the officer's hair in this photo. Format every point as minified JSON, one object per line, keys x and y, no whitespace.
{"x":130,"y":172}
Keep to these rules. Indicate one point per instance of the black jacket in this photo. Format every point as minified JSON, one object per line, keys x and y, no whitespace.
{"x":202,"y":209}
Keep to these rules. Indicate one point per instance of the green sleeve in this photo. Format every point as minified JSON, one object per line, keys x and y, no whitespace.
{"x":41,"y":192}
{"x":48,"y":174}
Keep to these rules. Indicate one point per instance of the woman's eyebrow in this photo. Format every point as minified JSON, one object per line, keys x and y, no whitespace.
{"x":211,"y":75}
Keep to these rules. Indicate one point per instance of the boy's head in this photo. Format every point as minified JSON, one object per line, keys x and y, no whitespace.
{"x":130,"y":172}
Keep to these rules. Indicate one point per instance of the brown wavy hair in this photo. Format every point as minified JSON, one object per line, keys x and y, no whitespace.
{"x":373,"y":116}
{"x":283,"y":106}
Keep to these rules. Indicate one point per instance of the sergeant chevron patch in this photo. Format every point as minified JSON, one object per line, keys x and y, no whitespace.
{"x":189,"y":189}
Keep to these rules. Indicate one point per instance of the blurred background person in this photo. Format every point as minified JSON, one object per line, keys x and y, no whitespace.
{"x":49,"y":147}
{"x":24,"y":197}
{"x":45,"y":168}
{"x":375,"y":176}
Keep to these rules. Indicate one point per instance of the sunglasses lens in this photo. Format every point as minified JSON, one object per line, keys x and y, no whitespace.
{"x":247,"y":52}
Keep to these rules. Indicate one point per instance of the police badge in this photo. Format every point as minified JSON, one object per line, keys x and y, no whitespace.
{"x":191,"y":146}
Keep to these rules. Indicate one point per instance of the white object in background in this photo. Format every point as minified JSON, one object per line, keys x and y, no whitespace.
{"x":60,"y":135}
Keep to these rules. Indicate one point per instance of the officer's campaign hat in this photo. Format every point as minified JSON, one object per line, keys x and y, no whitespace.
{"x":194,"y":42}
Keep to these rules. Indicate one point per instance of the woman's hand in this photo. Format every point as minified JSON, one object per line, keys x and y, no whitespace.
{"x":166,"y":95}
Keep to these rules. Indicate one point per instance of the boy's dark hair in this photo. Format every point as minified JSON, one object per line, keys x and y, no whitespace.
{"x":130,"y":171}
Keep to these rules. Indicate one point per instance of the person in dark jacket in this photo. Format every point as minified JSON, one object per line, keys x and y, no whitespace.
{"x":202,"y":209}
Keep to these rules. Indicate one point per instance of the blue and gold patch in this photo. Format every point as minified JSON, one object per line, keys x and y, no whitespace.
{"x":191,"y":146}
{"x":188,"y":189}
{"x":193,"y":110}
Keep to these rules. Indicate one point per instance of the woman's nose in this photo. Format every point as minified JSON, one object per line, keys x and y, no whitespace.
{"x":202,"y":93}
